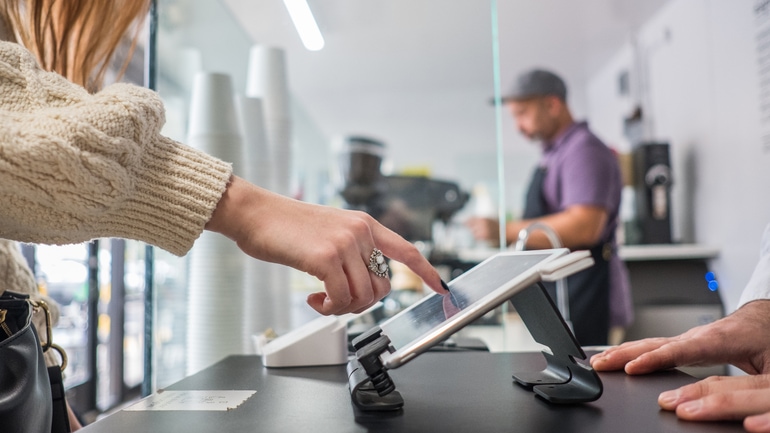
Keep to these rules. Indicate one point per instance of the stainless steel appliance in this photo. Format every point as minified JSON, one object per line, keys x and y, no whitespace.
{"x":653,"y":180}
{"x":408,"y":205}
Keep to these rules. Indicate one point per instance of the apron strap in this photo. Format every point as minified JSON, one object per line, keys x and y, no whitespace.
{"x":535,"y":206}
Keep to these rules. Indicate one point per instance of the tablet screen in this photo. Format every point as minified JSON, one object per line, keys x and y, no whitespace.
{"x":421,"y":321}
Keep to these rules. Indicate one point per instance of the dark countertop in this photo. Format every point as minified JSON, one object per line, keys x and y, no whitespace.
{"x":447,"y":392}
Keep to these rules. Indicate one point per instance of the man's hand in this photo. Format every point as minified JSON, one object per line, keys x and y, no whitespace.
{"x":485,"y":229}
{"x":723,"y":398}
{"x":578,"y":226}
{"x":740,"y":339}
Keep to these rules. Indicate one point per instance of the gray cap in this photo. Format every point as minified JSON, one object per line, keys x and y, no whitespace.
{"x":534,"y":83}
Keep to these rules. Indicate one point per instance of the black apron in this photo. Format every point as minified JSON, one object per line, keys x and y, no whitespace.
{"x":589,"y":290}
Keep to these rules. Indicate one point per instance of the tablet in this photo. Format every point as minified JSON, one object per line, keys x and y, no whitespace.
{"x":472,"y":294}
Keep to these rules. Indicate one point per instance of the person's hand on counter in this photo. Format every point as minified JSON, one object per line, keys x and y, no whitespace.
{"x":740,"y":339}
{"x":331,"y":244}
{"x":723,"y":398}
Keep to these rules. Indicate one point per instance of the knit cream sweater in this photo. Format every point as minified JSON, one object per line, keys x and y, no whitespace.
{"x":76,"y":166}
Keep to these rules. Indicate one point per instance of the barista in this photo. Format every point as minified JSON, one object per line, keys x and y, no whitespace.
{"x":575,"y":190}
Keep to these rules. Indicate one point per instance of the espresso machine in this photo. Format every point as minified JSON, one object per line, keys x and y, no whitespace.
{"x":408,"y":205}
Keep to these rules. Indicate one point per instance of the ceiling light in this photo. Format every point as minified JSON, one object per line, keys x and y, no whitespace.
{"x":305,"y":23}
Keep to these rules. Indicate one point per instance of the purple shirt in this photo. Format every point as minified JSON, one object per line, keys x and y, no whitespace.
{"x":582,"y":170}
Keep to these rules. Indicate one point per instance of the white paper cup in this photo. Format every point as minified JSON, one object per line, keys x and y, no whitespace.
{"x":212,"y":107}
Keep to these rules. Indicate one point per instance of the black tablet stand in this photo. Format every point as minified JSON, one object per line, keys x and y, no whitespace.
{"x":564,"y":380}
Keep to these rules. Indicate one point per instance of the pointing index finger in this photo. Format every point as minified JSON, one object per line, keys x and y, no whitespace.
{"x":398,"y":248}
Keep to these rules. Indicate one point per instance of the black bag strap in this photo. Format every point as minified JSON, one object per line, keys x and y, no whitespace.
{"x":60,"y":422}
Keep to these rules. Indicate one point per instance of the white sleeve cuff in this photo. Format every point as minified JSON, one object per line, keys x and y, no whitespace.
{"x":759,"y":284}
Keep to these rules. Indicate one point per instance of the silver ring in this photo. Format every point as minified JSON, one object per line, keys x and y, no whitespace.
{"x":377,"y":264}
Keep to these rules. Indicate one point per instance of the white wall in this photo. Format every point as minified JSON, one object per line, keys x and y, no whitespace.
{"x":697,"y":66}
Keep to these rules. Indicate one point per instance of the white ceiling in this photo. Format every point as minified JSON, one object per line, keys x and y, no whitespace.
{"x":391,"y":66}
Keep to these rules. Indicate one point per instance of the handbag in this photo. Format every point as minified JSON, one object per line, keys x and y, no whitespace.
{"x":31,"y":395}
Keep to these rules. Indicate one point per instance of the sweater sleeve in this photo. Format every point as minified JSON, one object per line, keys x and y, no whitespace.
{"x":76,"y":166}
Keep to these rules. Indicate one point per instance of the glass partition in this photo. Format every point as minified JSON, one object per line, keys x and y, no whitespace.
{"x":392,"y":116}
{"x":377,"y":80}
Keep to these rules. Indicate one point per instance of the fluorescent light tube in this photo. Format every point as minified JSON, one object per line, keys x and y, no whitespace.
{"x":306,"y":26}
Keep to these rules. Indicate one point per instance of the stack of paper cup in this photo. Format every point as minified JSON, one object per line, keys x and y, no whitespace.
{"x":214,"y":126}
{"x":256,"y":152}
{"x":215,"y":299}
{"x":267,"y":81}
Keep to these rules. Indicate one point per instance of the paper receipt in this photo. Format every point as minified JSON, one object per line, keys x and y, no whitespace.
{"x":192,"y":400}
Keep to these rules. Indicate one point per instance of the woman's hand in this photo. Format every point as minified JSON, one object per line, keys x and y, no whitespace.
{"x":331,"y":244}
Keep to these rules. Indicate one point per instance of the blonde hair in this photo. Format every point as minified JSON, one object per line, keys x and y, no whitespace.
{"x":76,"y":38}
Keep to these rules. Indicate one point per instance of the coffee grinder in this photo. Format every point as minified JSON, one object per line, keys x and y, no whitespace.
{"x":408,"y":205}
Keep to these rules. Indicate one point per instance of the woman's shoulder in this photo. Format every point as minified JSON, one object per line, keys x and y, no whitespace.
{"x":14,"y":272}
{"x":10,"y":48}
{"x":16,"y":61}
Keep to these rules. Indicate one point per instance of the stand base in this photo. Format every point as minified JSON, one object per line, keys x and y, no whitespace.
{"x":564,"y":380}
{"x":578,"y":384}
